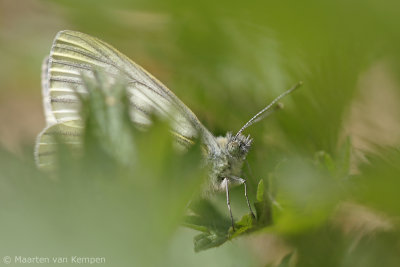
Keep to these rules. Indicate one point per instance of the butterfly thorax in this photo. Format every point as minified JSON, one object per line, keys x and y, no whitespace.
{"x":228,"y":161}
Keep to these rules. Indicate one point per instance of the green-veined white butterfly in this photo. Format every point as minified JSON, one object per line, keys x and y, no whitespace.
{"x":74,"y":54}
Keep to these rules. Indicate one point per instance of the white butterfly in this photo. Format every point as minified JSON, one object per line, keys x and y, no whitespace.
{"x":74,"y":54}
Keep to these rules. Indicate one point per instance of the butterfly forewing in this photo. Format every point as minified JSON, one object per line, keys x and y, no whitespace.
{"x":49,"y":116}
{"x":75,"y":54}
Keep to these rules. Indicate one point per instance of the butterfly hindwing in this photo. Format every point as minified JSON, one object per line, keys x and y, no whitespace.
{"x":68,"y":133}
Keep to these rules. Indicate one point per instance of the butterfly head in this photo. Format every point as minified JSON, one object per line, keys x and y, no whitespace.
{"x":238,"y":146}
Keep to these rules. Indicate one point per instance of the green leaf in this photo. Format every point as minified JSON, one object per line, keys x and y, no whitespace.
{"x":208,"y":240}
{"x":260,"y":190}
{"x":344,"y":159}
{"x":324,"y":159}
{"x":286,"y":260}
{"x":217,"y":228}
{"x":263,"y":206}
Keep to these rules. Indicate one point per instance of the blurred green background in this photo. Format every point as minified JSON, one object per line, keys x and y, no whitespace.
{"x":330,"y":158}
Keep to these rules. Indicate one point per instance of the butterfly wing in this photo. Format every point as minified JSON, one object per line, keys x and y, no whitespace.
{"x":50,"y":119}
{"x":68,"y":133}
{"x":74,"y":54}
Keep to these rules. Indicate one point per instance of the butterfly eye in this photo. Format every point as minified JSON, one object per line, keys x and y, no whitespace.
{"x":233,"y":147}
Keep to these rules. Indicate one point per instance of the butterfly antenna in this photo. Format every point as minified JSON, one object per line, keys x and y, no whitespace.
{"x":252,"y":120}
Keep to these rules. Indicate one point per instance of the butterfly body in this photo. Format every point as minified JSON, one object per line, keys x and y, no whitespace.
{"x":228,"y":162}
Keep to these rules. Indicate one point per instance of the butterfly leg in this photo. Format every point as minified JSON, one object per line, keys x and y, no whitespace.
{"x":228,"y":202}
{"x":243,"y":181}
{"x":247,"y":199}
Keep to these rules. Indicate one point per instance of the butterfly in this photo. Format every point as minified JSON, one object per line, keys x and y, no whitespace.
{"x":74,"y":55}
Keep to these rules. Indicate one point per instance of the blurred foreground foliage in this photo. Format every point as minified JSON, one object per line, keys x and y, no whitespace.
{"x":133,"y":189}
{"x":225,"y":60}
{"x":114,"y":190}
